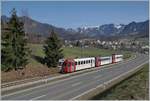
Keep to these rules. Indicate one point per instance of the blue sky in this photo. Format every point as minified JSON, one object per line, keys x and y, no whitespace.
{"x":77,"y":14}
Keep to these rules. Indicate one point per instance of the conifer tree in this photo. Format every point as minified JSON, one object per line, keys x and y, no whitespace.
{"x":53,"y":50}
{"x":14,"y":44}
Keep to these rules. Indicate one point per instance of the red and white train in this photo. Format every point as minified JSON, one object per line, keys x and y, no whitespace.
{"x":72,"y":65}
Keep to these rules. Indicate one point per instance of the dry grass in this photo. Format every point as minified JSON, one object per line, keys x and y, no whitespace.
{"x":29,"y":72}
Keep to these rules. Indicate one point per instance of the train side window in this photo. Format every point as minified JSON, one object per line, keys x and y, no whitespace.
{"x":105,"y":59}
{"x":84,"y":62}
{"x":79,"y":63}
{"x":75,"y":63}
{"x":89,"y":61}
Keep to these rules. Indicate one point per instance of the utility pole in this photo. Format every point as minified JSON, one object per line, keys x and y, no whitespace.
{"x":81,"y":49}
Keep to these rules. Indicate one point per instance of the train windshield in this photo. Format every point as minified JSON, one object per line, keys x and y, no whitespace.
{"x":64,"y":64}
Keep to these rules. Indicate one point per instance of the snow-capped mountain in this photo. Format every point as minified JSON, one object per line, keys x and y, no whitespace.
{"x":107,"y":29}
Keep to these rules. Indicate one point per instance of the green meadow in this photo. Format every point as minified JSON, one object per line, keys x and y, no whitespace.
{"x":74,"y":52}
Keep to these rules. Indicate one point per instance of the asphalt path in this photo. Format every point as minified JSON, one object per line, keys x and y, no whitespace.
{"x":74,"y":86}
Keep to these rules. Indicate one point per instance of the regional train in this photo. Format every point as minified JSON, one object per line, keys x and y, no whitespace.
{"x":72,"y":65}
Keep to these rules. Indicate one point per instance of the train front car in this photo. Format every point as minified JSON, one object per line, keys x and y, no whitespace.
{"x":68,"y":66}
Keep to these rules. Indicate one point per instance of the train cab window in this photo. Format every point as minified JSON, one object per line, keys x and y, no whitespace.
{"x":69,"y":64}
{"x":64,"y":64}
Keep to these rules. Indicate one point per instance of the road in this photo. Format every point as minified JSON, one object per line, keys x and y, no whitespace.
{"x":74,"y":86}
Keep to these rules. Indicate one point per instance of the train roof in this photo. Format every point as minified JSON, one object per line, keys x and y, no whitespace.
{"x":119,"y":55}
{"x":106,"y":57}
{"x":88,"y":58}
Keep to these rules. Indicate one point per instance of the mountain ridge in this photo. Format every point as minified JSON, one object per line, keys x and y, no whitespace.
{"x":32,"y":26}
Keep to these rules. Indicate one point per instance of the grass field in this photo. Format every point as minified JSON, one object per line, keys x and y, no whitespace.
{"x":37,"y":68}
{"x":135,"y":87}
{"x":37,"y":50}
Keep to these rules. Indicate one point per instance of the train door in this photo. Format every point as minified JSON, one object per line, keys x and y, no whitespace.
{"x":63,"y":69}
{"x":73,"y":67}
{"x":91,"y":62}
{"x":69,"y":66}
{"x":97,"y":61}
{"x":113,"y":58}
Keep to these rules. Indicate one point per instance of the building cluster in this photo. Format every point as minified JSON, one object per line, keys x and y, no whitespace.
{"x":122,"y":44}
